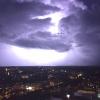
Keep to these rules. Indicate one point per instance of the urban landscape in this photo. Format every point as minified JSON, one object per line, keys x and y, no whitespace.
{"x":49,"y":49}
{"x":49,"y":83}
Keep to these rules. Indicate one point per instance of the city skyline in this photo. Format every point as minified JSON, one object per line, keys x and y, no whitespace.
{"x":20,"y":83}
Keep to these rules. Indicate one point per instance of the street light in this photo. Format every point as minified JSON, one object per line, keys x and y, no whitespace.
{"x":98,"y":96}
{"x":29,"y":88}
{"x":68,"y":96}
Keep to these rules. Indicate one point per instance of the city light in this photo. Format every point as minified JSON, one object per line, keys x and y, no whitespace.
{"x":29,"y":88}
{"x":98,"y":96}
{"x":48,"y":80}
{"x":80,"y":74}
{"x":68,"y":96}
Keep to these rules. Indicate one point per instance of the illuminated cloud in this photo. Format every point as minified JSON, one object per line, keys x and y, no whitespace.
{"x":15,"y":19}
{"x":44,"y":40}
{"x":38,"y":56}
{"x":54,"y":25}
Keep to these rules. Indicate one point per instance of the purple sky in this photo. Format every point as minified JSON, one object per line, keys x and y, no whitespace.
{"x":49,"y":32}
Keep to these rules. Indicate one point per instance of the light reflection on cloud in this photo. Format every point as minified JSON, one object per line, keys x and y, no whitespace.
{"x":38,"y":56}
{"x":36,"y":24}
{"x":55,"y":19}
{"x":41,"y":57}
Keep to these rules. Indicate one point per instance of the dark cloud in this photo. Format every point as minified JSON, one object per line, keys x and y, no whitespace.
{"x":18,"y":29}
{"x":20,"y":25}
{"x":15,"y":18}
{"x":41,"y":34}
{"x":91,"y":4}
{"x":43,"y":40}
{"x":83,"y":28}
{"x":40,"y":24}
{"x":71,"y":24}
{"x":14,"y":30}
{"x":15,"y":11}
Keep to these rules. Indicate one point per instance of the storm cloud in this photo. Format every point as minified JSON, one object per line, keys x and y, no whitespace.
{"x":84,"y":29}
{"x":28,"y":24}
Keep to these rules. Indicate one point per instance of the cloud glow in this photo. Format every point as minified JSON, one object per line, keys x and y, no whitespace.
{"x":55,"y":18}
{"x":38,"y":56}
{"x":49,"y":32}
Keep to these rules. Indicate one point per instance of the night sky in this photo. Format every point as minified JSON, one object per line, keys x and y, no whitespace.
{"x":49,"y":32}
